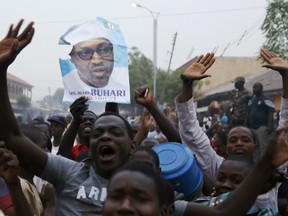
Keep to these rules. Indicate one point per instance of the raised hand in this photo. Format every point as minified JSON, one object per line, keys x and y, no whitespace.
{"x":277,"y":149}
{"x":147,"y":120}
{"x":196,"y":71}
{"x":9,"y":164}
{"x":144,"y":96}
{"x":274,"y":62}
{"x":78,"y":107}
{"x":13,"y":43}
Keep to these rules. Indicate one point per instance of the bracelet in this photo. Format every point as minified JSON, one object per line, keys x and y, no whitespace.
{"x":186,"y":80}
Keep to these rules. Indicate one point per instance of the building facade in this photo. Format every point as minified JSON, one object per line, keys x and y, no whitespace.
{"x":18,"y":87}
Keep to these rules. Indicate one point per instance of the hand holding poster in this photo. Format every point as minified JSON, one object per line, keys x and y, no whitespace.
{"x":98,"y":63}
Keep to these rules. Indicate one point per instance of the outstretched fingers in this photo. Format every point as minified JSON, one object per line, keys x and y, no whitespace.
{"x":266,"y":55}
{"x":15,"y":31}
{"x":206,"y":60}
{"x":210,"y":62}
{"x":199,"y":59}
{"x":9,"y":32}
{"x":25,"y":39}
{"x":26,"y":31}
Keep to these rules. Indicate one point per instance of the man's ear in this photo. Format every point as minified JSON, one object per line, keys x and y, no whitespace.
{"x":133,"y":148}
{"x":256,"y":146}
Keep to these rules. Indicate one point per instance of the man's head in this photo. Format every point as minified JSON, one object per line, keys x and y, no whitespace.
{"x":239,"y":82}
{"x":36,"y":135}
{"x":149,"y":142}
{"x":85,"y":128}
{"x":111,"y":143}
{"x":94,"y":61}
{"x":44,"y":126}
{"x":135,"y":189}
{"x":58,"y":124}
{"x":232,"y":172}
{"x":219,"y":139}
{"x":148,"y":156}
{"x":257,"y":89}
{"x":241,"y":140}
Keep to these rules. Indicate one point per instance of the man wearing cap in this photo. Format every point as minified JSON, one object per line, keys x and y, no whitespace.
{"x":241,"y":98}
{"x":58,"y":126}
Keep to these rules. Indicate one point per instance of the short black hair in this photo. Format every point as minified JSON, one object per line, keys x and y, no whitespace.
{"x":137,"y":166}
{"x":128,"y":126}
{"x":150,"y":142}
{"x":90,"y":111}
{"x":254,"y":135}
{"x":150,"y":152}
{"x":246,"y":159}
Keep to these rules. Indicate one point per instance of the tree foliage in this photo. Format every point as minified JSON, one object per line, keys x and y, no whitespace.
{"x":275,"y":27}
{"x":169,"y":86}
{"x":58,"y":96}
{"x":140,"y":69}
{"x":23,"y":102}
{"x":141,"y":73}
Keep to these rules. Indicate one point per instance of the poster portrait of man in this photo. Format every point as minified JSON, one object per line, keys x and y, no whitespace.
{"x":98,"y":63}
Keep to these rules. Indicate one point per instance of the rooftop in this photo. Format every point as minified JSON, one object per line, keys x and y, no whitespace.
{"x":13,"y":78}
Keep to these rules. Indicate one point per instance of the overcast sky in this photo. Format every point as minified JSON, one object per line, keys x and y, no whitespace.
{"x":232,"y":27}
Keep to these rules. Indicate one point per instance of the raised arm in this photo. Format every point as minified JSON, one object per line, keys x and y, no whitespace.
{"x":77,"y":110}
{"x":163,"y":122}
{"x":31,"y":157}
{"x":276,"y":63}
{"x":191,"y":133}
{"x":144,"y":129}
{"x":196,"y":71}
{"x":243,"y":197}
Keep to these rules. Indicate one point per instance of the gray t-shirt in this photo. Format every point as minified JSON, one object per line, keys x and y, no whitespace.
{"x":79,"y":190}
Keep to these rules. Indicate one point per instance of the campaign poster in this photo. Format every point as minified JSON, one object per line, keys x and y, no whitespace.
{"x":97,"y":63}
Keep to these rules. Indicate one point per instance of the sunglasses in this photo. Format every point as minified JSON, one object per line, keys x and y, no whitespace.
{"x":105,"y":51}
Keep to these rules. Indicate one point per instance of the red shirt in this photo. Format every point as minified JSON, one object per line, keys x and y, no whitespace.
{"x":5,"y":198}
{"x":77,"y":149}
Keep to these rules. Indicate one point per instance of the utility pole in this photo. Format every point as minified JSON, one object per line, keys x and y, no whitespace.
{"x":173,"y":45}
{"x":50,"y":100}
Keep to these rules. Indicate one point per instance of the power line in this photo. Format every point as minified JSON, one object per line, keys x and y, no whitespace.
{"x":215,"y":11}
{"x":141,"y":17}
{"x":244,"y":37}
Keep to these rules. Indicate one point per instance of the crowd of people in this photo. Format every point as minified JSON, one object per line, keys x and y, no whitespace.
{"x":102,"y":165}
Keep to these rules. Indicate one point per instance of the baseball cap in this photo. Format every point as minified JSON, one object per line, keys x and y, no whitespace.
{"x":239,"y":79}
{"x":58,"y":119}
